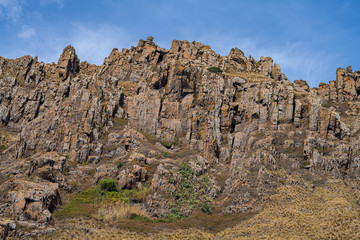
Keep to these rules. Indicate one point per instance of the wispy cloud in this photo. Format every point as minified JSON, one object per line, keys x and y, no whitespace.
{"x":27,"y":33}
{"x":298,"y":60}
{"x":60,"y":3}
{"x":94,"y":43}
{"x":11,"y":10}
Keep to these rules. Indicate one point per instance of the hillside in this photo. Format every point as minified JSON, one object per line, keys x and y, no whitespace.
{"x":180,"y":143}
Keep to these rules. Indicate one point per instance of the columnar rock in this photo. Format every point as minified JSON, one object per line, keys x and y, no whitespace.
{"x":235,"y":121}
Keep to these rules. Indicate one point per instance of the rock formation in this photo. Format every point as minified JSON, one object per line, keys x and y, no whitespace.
{"x":227,"y":120}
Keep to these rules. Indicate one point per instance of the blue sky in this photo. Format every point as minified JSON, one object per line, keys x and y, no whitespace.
{"x":309,"y":39}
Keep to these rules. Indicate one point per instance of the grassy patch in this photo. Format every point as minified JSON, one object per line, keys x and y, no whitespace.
{"x":214,"y":69}
{"x":138,"y":194}
{"x":295,"y":212}
{"x":3,"y":148}
{"x":116,"y":211}
{"x":104,"y":195}
{"x":304,"y":164}
{"x":128,"y":88}
{"x":327,"y":104}
{"x":119,"y":122}
{"x":151,"y":138}
{"x":166,"y":144}
{"x":250,"y":76}
{"x":84,"y":204}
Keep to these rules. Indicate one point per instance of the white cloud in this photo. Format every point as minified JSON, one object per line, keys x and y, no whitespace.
{"x":92,"y":43}
{"x":95,"y":43}
{"x":298,"y":60}
{"x":60,"y":3}
{"x":27,"y":33}
{"x":11,"y":9}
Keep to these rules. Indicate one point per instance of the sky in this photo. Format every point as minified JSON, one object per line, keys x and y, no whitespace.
{"x":308,"y":39}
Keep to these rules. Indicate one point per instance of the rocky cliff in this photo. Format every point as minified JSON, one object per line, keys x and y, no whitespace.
{"x":191,"y":129}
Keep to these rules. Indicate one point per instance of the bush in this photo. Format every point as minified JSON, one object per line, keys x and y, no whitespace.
{"x":205,"y":208}
{"x":186,"y":171}
{"x":214,"y":69}
{"x":172,"y":180}
{"x":166,"y":144}
{"x":120,"y":165}
{"x":108,"y":185}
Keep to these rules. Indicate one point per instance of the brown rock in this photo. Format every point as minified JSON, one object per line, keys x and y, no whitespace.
{"x":30,"y":200}
{"x":132,"y":177}
{"x":68,"y":63}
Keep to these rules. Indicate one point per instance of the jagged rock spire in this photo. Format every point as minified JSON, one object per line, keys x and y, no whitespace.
{"x":68,"y":63}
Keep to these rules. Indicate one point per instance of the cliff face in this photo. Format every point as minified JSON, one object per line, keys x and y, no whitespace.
{"x":231,"y":120}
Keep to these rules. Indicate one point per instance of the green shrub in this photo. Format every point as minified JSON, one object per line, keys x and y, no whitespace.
{"x":166,"y":144}
{"x":186,"y":171}
{"x":172,"y":180}
{"x":205,"y":208}
{"x":327,"y":104}
{"x":165,"y":154}
{"x":138,"y":217}
{"x":214,"y":69}
{"x":172,"y":217}
{"x":120,"y":165}
{"x":108,"y":185}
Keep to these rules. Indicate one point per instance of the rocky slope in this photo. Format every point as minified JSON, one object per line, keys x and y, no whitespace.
{"x":190,"y":129}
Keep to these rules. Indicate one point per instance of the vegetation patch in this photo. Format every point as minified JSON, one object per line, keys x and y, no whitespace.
{"x":190,"y":193}
{"x":120,"y":165}
{"x":214,"y":69}
{"x":296,"y":212}
{"x":3,"y":148}
{"x":251,"y":76}
{"x":327,"y":104}
{"x":82,"y":205}
{"x":166,"y":144}
{"x":128,"y":88}
{"x":119,"y":122}
{"x":109,"y":185}
{"x":102,"y":200}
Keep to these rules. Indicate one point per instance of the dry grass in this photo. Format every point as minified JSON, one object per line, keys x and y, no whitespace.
{"x":250,"y":76}
{"x":297,"y":211}
{"x":128,"y":88}
{"x":120,"y":210}
{"x":89,"y":229}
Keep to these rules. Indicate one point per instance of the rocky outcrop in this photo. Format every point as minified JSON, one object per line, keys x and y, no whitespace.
{"x":132,"y":177}
{"x":27,"y":200}
{"x":183,"y":121}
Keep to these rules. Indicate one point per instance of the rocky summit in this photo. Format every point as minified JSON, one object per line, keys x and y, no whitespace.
{"x":180,"y":143}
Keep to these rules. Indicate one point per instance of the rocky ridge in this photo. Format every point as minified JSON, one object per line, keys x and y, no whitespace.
{"x":192,"y":126}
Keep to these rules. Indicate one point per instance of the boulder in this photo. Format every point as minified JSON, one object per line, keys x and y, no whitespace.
{"x":31,"y":200}
{"x":132,"y":177}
